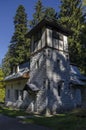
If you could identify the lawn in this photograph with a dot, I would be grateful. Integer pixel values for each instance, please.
(75, 120)
(2, 94)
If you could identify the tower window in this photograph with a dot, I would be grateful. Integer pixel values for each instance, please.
(58, 61)
(61, 37)
(49, 53)
(59, 90)
(44, 83)
(67, 57)
(37, 36)
(55, 35)
(44, 53)
(37, 64)
(48, 84)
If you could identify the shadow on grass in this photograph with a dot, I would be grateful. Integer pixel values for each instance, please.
(10, 112)
(67, 121)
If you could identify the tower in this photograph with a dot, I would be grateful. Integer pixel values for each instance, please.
(49, 66)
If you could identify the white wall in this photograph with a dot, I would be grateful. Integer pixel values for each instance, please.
(12, 86)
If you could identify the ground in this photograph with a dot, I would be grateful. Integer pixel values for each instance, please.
(75, 120)
(8, 123)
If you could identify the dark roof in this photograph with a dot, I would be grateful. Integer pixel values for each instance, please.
(48, 23)
(17, 75)
(31, 87)
(76, 77)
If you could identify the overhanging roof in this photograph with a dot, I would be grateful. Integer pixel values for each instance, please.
(19, 75)
(48, 23)
(76, 77)
(31, 87)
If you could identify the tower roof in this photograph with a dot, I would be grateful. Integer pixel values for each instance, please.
(52, 23)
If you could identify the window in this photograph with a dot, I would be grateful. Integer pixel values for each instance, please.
(49, 53)
(37, 36)
(44, 83)
(61, 37)
(44, 53)
(37, 64)
(67, 57)
(48, 84)
(21, 94)
(8, 93)
(16, 94)
(55, 35)
(60, 86)
(59, 89)
(58, 62)
(37, 41)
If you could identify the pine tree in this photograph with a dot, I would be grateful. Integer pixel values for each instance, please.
(50, 13)
(39, 13)
(1, 78)
(2, 89)
(42, 12)
(71, 17)
(6, 67)
(19, 47)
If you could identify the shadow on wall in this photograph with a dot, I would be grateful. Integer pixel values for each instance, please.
(48, 99)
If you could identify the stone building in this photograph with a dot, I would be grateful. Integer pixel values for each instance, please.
(51, 83)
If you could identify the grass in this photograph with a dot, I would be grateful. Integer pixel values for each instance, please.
(75, 120)
(2, 94)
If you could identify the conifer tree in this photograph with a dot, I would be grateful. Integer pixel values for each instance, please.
(19, 50)
(39, 13)
(42, 12)
(2, 89)
(19, 47)
(71, 17)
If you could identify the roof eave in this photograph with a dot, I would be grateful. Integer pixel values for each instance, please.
(51, 23)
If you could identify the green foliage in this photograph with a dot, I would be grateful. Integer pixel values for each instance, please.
(18, 50)
(84, 2)
(2, 94)
(42, 12)
(1, 78)
(6, 67)
(2, 90)
(39, 13)
(71, 16)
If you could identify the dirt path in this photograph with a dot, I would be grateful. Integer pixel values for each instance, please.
(8, 123)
